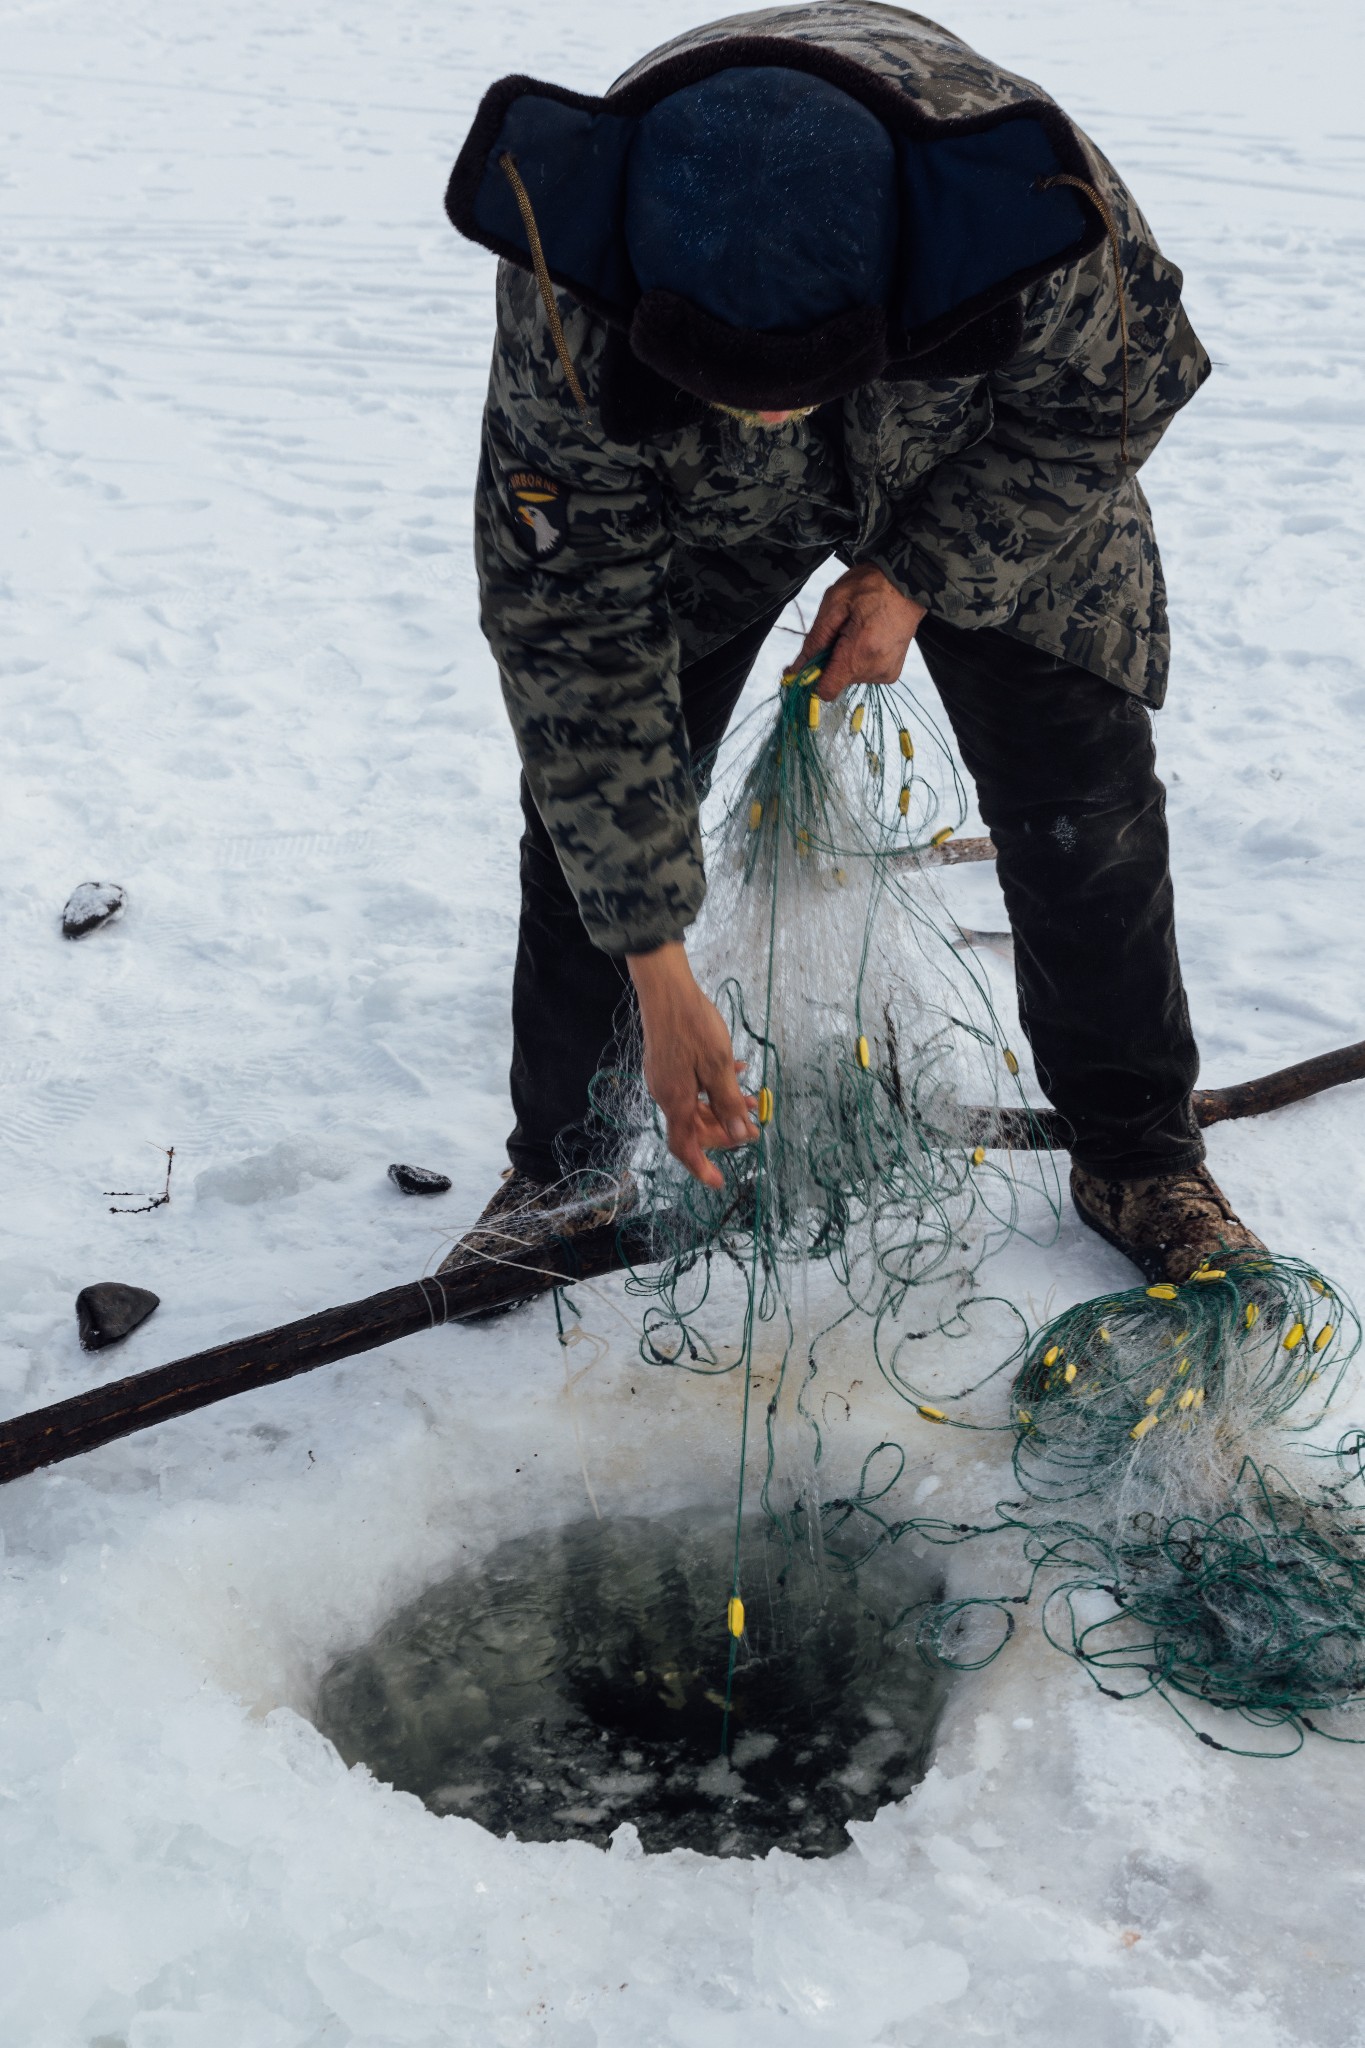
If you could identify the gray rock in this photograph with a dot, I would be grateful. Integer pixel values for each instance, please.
(91, 905)
(419, 1180)
(110, 1311)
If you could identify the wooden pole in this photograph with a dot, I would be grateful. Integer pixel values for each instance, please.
(100, 1415)
(950, 855)
(1285, 1085)
(1022, 1130)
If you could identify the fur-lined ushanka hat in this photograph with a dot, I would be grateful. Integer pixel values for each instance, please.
(770, 225)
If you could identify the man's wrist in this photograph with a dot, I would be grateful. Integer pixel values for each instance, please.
(897, 574)
(662, 967)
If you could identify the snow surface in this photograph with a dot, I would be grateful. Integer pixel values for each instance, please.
(242, 368)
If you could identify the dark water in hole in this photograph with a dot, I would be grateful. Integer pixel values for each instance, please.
(576, 1678)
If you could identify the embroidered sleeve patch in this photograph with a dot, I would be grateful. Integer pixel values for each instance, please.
(540, 510)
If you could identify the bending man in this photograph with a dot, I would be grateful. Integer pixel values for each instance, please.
(818, 281)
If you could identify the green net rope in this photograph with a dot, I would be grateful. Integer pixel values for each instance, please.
(1178, 1531)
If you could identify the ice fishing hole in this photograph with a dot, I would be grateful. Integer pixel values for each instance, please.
(576, 1678)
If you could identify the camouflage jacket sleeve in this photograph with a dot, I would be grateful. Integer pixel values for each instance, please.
(989, 522)
(572, 544)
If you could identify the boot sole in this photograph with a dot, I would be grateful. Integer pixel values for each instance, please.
(1151, 1272)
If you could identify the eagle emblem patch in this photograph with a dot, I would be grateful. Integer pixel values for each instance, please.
(540, 510)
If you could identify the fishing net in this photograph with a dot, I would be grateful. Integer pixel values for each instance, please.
(867, 1033)
(1194, 1541)
(1175, 1538)
(878, 1064)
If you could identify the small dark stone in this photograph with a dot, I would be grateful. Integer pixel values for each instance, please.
(90, 906)
(110, 1311)
(419, 1180)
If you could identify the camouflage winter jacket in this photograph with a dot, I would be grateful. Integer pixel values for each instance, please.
(616, 544)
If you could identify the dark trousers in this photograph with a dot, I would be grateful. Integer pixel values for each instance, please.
(1066, 779)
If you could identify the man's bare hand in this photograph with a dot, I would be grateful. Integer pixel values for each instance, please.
(690, 1064)
(870, 626)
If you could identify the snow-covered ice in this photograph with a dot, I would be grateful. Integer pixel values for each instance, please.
(242, 364)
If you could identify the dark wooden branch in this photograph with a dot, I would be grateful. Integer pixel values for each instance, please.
(1285, 1085)
(1021, 1130)
(102, 1414)
(1018, 1130)
(948, 855)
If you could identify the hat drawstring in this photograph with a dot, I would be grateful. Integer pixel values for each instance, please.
(1110, 228)
(507, 164)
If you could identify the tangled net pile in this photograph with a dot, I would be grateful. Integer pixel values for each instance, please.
(1169, 1526)
(1166, 1425)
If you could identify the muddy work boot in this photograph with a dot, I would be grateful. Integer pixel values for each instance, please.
(1168, 1226)
(523, 1213)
